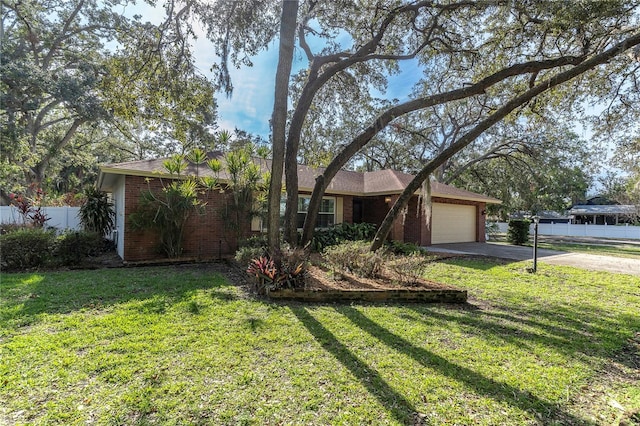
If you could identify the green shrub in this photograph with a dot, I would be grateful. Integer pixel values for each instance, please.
(398, 247)
(324, 238)
(518, 231)
(26, 248)
(255, 241)
(72, 248)
(251, 248)
(356, 258)
(6, 228)
(409, 268)
(96, 213)
(245, 254)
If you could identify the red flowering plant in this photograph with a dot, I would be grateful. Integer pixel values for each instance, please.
(289, 272)
(264, 269)
(29, 208)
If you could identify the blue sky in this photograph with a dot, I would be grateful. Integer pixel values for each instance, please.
(251, 104)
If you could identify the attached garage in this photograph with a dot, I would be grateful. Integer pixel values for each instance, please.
(453, 223)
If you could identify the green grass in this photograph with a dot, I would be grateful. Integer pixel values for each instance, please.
(617, 250)
(181, 346)
(603, 248)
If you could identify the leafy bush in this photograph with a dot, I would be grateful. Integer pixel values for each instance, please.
(355, 257)
(409, 269)
(245, 254)
(167, 211)
(96, 213)
(324, 238)
(26, 248)
(398, 247)
(6, 228)
(518, 231)
(72, 248)
(251, 248)
(255, 241)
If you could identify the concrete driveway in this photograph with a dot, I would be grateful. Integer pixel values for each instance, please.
(590, 262)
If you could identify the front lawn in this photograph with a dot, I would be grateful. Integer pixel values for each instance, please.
(631, 251)
(180, 345)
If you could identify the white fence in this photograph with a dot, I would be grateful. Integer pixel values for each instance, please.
(60, 218)
(573, 230)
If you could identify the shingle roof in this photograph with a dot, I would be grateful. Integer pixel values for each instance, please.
(381, 182)
(603, 209)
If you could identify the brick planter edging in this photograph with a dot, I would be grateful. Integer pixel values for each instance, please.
(400, 295)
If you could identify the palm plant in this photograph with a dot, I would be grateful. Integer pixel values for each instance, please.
(96, 213)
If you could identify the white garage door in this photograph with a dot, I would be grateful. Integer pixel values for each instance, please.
(453, 223)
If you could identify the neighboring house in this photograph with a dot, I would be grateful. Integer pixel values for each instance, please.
(604, 214)
(353, 197)
(544, 216)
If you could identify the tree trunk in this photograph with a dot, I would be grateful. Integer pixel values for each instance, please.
(279, 118)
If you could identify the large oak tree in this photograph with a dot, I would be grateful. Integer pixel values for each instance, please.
(68, 67)
(503, 59)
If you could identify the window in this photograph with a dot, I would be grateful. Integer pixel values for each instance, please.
(326, 216)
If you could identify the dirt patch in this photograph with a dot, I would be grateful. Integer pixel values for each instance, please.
(319, 278)
(325, 285)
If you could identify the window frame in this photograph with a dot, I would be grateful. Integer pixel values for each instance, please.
(333, 215)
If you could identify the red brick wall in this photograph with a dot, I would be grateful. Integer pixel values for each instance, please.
(205, 235)
(414, 229)
(481, 215)
(414, 223)
(374, 209)
(347, 208)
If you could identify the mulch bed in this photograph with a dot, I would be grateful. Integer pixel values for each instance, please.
(324, 286)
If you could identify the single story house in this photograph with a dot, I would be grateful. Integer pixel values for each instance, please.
(596, 214)
(544, 216)
(354, 197)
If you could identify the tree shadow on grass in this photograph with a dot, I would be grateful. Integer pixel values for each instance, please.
(569, 330)
(25, 296)
(395, 403)
(482, 385)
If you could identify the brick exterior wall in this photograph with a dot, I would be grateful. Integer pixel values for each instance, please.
(205, 236)
(347, 206)
(414, 229)
(374, 209)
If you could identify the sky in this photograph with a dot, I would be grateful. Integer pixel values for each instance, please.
(251, 104)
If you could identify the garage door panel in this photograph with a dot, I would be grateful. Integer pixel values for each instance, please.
(453, 223)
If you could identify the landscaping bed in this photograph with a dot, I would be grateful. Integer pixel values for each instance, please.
(324, 286)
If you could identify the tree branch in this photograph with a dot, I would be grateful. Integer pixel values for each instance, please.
(502, 112)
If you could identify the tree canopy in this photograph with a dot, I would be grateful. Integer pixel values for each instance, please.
(72, 66)
(487, 67)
